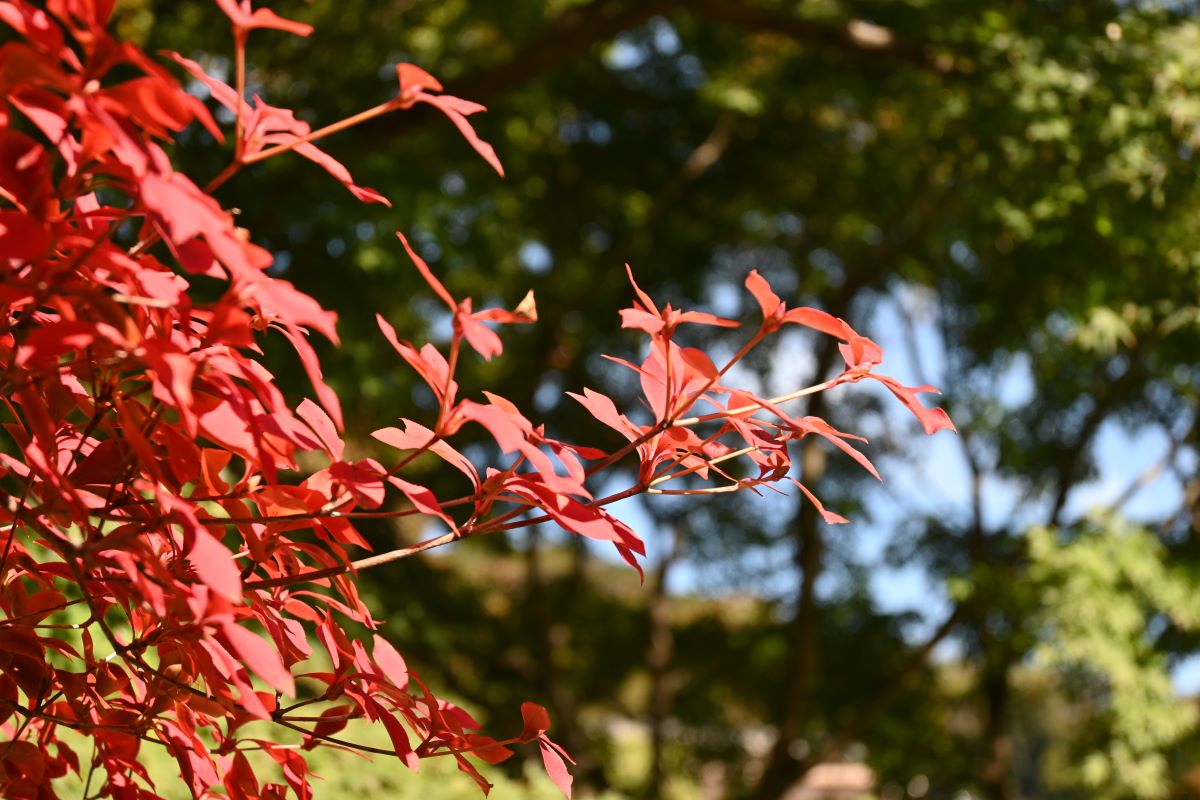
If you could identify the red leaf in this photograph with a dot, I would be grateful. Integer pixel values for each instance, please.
(390, 661)
(586, 520)
(49, 342)
(829, 517)
(537, 721)
(413, 79)
(46, 111)
(488, 749)
(223, 93)
(646, 301)
(172, 371)
(240, 780)
(104, 465)
(422, 499)
(838, 439)
(427, 274)
(418, 437)
(259, 656)
(395, 730)
(524, 313)
(507, 426)
(215, 566)
(333, 720)
(362, 479)
(295, 770)
(244, 19)
(931, 419)
(161, 106)
(429, 363)
(339, 171)
(308, 358)
(768, 301)
(482, 339)
(605, 410)
(25, 766)
(860, 353)
(456, 109)
(641, 320)
(37, 27)
(22, 238)
(819, 320)
(469, 768)
(556, 768)
(323, 426)
(701, 318)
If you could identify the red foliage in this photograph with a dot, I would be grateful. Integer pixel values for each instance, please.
(149, 476)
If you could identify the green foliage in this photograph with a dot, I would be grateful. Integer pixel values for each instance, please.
(1106, 596)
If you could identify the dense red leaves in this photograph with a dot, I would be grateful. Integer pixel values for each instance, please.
(153, 512)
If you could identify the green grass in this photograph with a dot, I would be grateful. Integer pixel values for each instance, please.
(346, 774)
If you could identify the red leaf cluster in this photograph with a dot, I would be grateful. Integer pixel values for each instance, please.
(166, 576)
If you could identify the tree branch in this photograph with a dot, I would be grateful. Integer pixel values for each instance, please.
(1108, 397)
(906, 234)
(856, 36)
(574, 32)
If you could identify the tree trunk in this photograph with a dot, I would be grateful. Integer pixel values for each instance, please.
(996, 774)
(803, 650)
(658, 659)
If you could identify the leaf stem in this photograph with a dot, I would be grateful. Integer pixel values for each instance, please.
(239, 45)
(321, 133)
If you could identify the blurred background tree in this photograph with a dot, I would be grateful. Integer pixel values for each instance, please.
(1004, 194)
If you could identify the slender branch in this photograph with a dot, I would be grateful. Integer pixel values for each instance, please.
(1153, 472)
(22, 507)
(741, 411)
(239, 126)
(722, 489)
(1107, 398)
(321, 133)
(322, 514)
(500, 523)
(73, 724)
(451, 368)
(697, 467)
(361, 564)
(219, 180)
(365, 748)
(40, 613)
